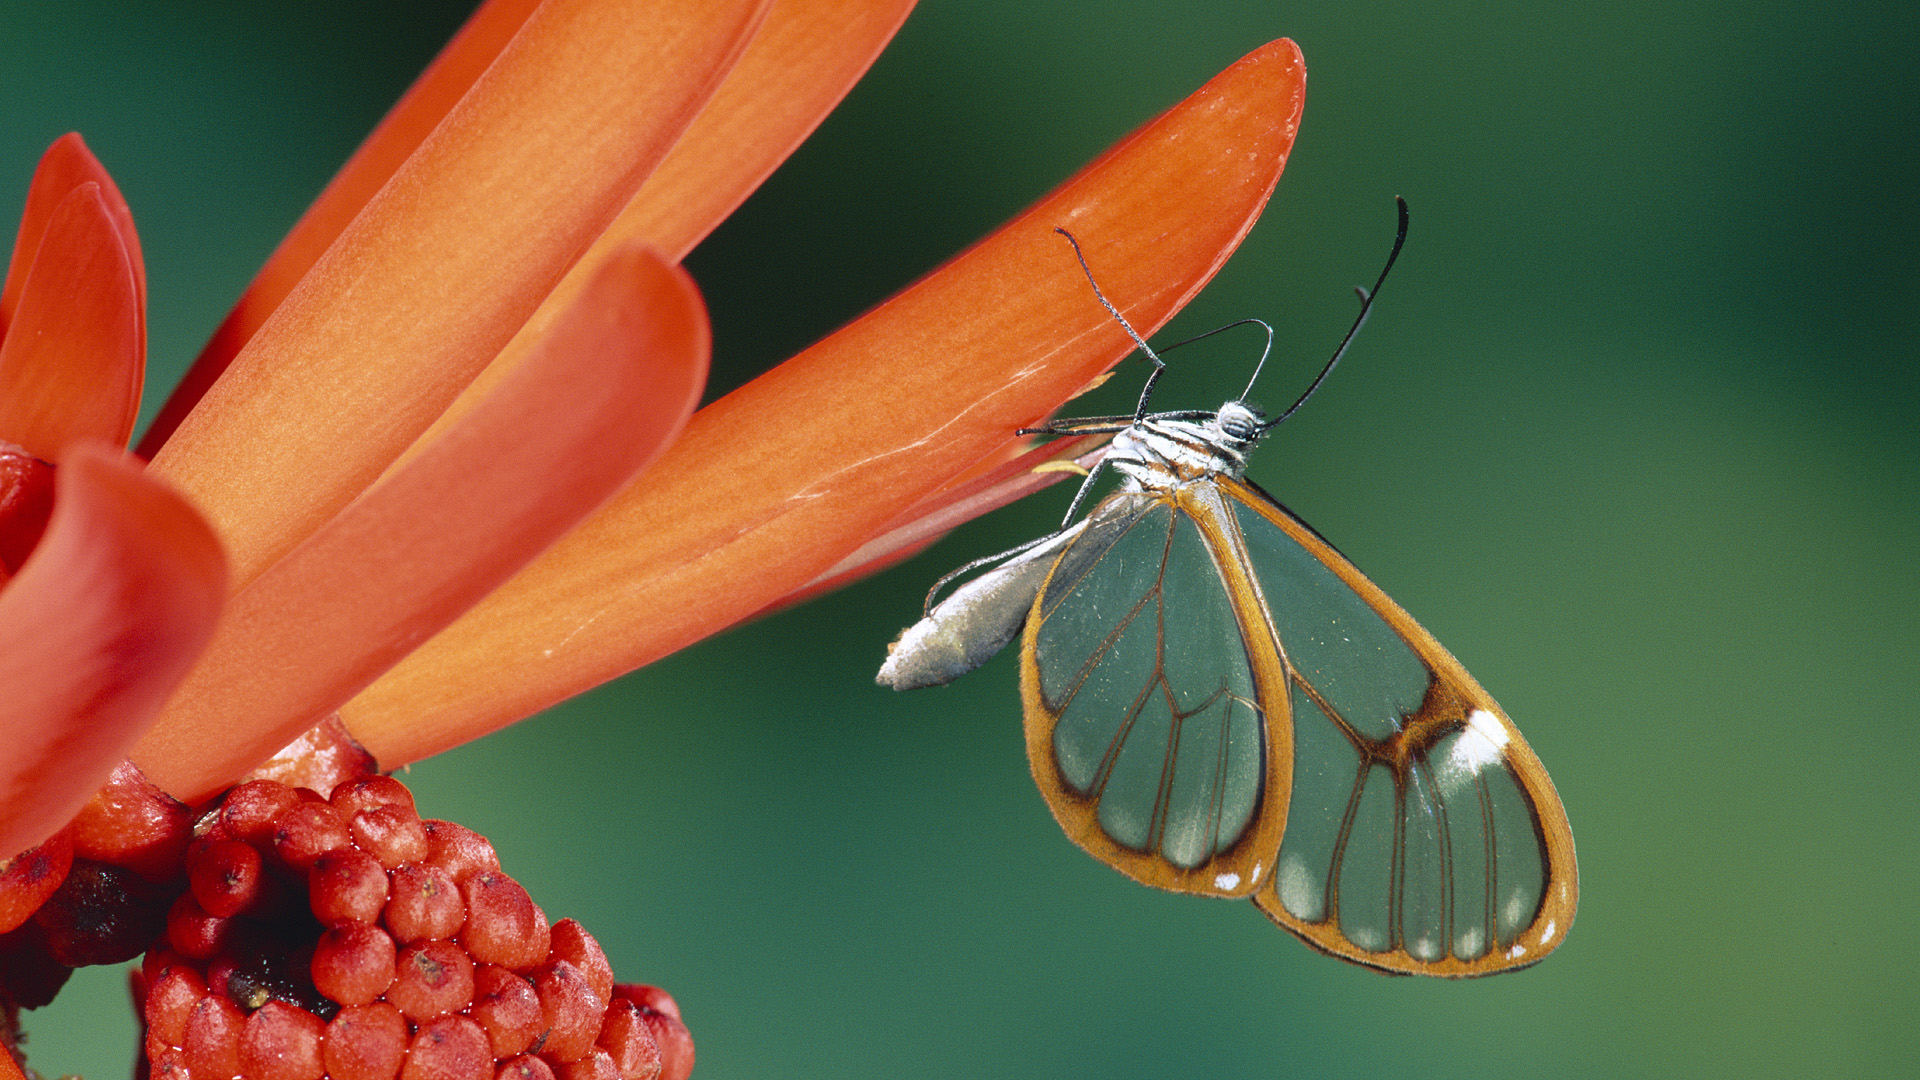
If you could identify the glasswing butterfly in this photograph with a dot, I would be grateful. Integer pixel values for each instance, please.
(1218, 702)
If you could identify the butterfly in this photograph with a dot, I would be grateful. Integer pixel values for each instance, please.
(1217, 702)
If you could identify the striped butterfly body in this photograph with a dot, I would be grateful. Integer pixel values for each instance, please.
(1217, 702)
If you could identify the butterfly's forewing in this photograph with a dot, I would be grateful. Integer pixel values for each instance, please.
(1158, 735)
(1423, 834)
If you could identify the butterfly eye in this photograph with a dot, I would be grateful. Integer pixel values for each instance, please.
(1239, 423)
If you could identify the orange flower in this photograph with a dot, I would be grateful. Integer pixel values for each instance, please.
(121, 590)
(417, 435)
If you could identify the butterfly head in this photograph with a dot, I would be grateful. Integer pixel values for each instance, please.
(1240, 424)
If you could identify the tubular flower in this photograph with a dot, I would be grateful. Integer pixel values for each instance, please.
(436, 472)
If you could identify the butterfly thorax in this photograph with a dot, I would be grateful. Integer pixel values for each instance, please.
(1165, 449)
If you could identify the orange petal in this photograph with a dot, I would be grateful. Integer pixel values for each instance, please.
(803, 60)
(73, 359)
(95, 631)
(410, 120)
(931, 518)
(65, 166)
(602, 395)
(775, 483)
(801, 63)
(442, 267)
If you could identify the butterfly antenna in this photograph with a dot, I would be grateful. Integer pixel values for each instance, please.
(1159, 365)
(1366, 305)
(1268, 348)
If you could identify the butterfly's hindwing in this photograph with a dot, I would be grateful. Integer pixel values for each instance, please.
(1424, 835)
(1149, 722)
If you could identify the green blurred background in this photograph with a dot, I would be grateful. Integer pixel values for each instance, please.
(1632, 432)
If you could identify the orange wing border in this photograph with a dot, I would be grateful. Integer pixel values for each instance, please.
(1245, 865)
(1451, 697)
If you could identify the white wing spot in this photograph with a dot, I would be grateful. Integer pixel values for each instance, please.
(1226, 882)
(1299, 888)
(1479, 746)
(1488, 726)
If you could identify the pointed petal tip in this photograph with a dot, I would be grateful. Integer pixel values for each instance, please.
(65, 165)
(74, 357)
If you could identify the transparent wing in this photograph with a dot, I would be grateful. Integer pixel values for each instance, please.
(1423, 836)
(1150, 722)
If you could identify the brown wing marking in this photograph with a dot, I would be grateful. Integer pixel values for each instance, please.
(1239, 867)
(1453, 704)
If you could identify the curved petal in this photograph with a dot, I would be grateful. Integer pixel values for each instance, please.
(775, 483)
(604, 393)
(411, 119)
(65, 166)
(442, 267)
(95, 631)
(802, 61)
(73, 358)
(799, 66)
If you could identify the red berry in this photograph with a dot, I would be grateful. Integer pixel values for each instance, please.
(392, 834)
(572, 943)
(425, 903)
(595, 1064)
(282, 1042)
(423, 961)
(662, 1014)
(503, 925)
(366, 1042)
(435, 978)
(676, 1044)
(307, 831)
(367, 792)
(213, 1037)
(524, 1067)
(628, 1040)
(224, 876)
(506, 1007)
(170, 1000)
(249, 812)
(450, 1048)
(159, 960)
(167, 1063)
(648, 998)
(353, 963)
(572, 1009)
(192, 932)
(346, 886)
(458, 850)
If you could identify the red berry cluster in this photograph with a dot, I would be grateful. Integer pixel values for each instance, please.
(346, 937)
